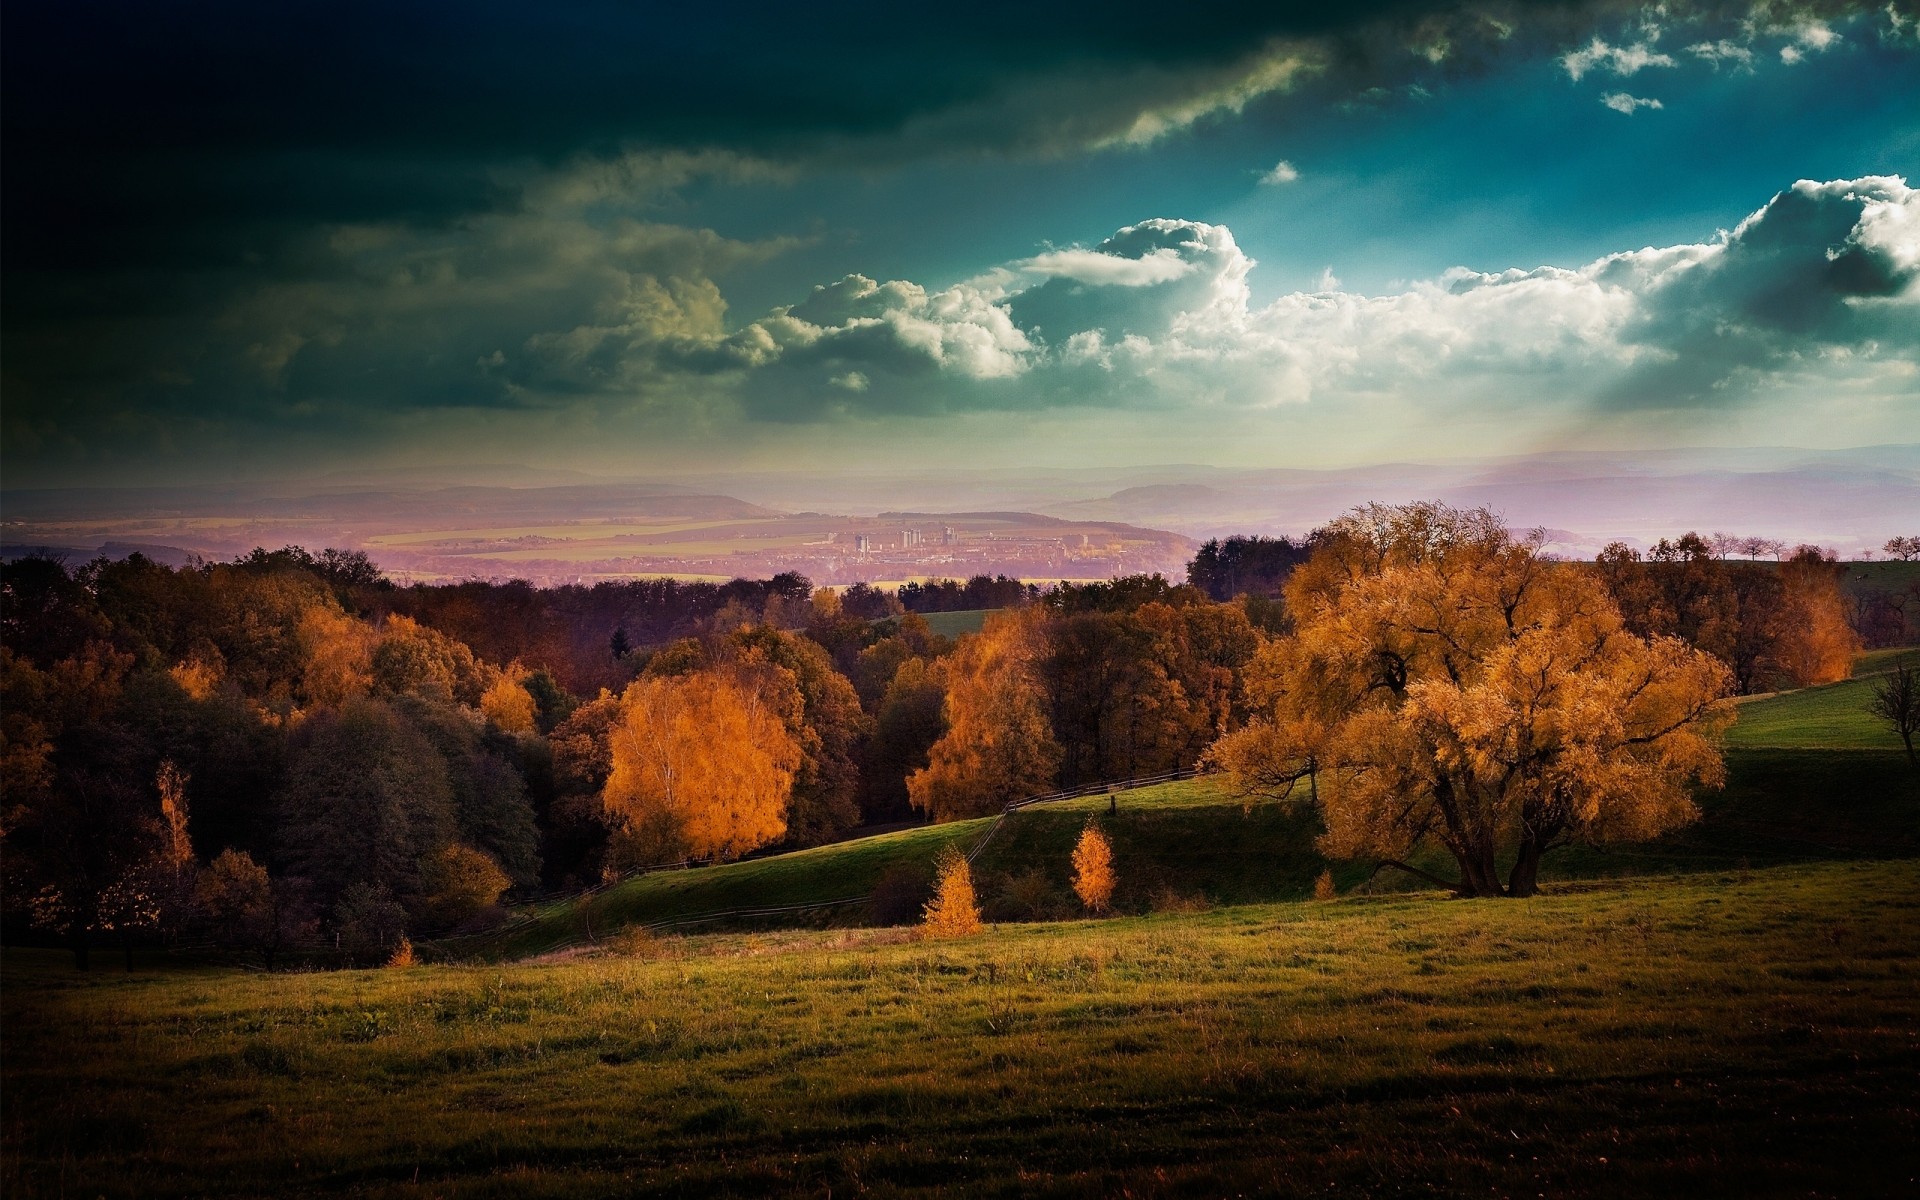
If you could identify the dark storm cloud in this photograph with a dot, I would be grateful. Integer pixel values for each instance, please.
(172, 131)
(225, 215)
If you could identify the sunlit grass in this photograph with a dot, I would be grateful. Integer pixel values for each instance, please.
(1738, 1032)
(1832, 717)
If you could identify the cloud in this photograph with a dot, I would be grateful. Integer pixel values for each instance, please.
(1725, 50)
(1282, 172)
(1621, 102)
(1620, 60)
(1824, 274)
(1160, 265)
(1820, 279)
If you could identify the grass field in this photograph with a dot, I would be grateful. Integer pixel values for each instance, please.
(953, 624)
(1193, 842)
(1753, 1033)
(1733, 1009)
(1833, 717)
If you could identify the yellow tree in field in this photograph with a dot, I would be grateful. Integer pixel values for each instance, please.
(1447, 686)
(700, 763)
(1093, 877)
(999, 742)
(953, 911)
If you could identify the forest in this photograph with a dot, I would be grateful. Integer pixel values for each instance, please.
(289, 755)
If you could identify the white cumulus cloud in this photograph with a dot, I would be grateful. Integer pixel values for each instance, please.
(1621, 102)
(1282, 172)
(1620, 60)
(1824, 277)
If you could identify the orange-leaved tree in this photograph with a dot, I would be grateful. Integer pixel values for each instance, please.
(1817, 643)
(999, 743)
(1093, 877)
(507, 703)
(701, 763)
(953, 911)
(1448, 686)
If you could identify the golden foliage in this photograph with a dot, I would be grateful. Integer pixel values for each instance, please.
(508, 704)
(403, 955)
(999, 743)
(1817, 643)
(1323, 886)
(1446, 684)
(700, 761)
(953, 911)
(197, 676)
(1093, 877)
(337, 652)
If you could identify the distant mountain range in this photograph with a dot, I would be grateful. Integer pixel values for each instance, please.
(494, 520)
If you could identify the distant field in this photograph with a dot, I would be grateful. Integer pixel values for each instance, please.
(1728, 1034)
(570, 530)
(953, 624)
(599, 550)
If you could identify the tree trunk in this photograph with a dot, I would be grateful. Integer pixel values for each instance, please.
(1524, 880)
(1479, 875)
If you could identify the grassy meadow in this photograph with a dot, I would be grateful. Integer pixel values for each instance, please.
(1750, 1033)
(1732, 1009)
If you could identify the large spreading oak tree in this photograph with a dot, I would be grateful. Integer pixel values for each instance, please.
(1446, 685)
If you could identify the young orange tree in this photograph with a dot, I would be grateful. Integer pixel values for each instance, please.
(1446, 685)
(953, 911)
(1093, 877)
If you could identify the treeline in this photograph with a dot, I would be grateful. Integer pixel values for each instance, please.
(288, 750)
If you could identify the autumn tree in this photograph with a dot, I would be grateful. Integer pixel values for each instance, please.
(338, 656)
(1145, 690)
(1447, 686)
(1093, 877)
(700, 764)
(999, 743)
(507, 702)
(417, 660)
(953, 911)
(1817, 642)
(830, 728)
(458, 882)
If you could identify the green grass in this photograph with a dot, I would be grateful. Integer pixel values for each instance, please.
(1194, 842)
(826, 873)
(1739, 1033)
(953, 624)
(1832, 717)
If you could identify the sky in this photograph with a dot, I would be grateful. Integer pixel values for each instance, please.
(244, 240)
